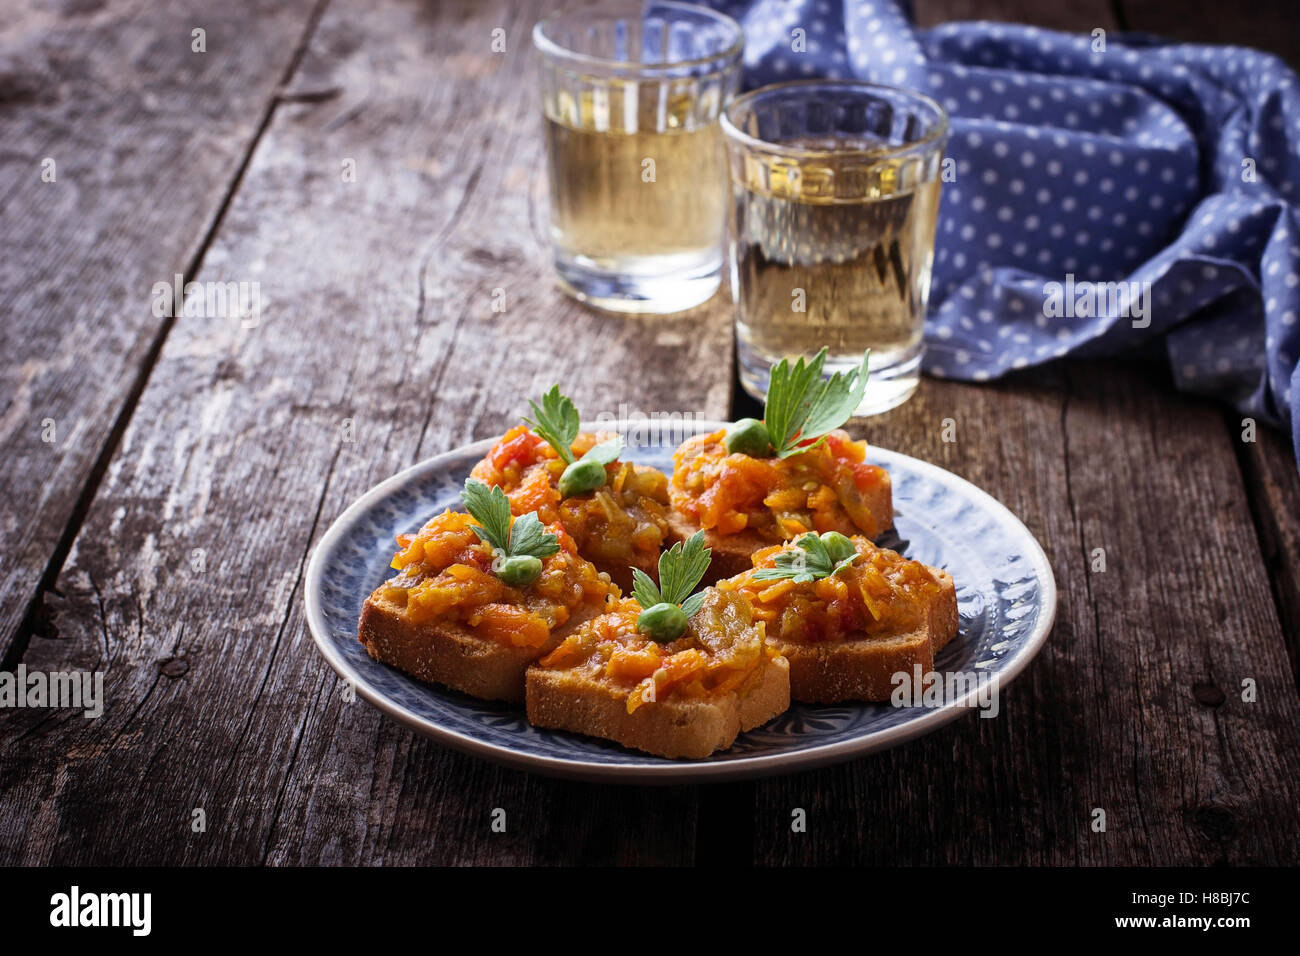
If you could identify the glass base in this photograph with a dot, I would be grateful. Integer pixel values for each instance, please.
(888, 385)
(652, 294)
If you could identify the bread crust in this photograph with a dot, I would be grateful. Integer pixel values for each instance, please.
(448, 653)
(566, 699)
(863, 669)
(731, 552)
(621, 574)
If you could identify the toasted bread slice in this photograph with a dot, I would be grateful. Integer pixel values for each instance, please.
(608, 680)
(447, 616)
(863, 669)
(448, 653)
(567, 700)
(847, 636)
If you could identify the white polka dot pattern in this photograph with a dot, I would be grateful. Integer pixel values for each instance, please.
(1115, 159)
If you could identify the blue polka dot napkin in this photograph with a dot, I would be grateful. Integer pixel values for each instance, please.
(1107, 191)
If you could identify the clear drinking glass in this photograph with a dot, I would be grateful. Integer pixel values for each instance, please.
(835, 192)
(632, 92)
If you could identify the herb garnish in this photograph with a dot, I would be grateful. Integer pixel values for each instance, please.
(669, 605)
(519, 549)
(556, 421)
(814, 557)
(801, 408)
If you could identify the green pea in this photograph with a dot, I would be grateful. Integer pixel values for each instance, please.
(581, 477)
(663, 622)
(521, 570)
(749, 437)
(838, 546)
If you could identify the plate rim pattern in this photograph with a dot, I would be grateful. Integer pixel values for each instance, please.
(926, 720)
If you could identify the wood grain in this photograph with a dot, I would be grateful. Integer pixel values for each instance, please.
(1266, 25)
(1134, 704)
(1269, 466)
(377, 317)
(209, 457)
(147, 138)
(1082, 16)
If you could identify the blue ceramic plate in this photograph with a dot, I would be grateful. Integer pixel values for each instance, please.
(1005, 590)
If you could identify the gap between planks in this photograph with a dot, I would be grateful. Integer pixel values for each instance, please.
(34, 618)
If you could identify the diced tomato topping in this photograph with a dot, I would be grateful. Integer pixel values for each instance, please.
(778, 498)
(455, 580)
(682, 665)
(867, 476)
(844, 447)
(535, 493)
(632, 664)
(566, 540)
(510, 625)
(517, 445)
(880, 590)
(475, 557)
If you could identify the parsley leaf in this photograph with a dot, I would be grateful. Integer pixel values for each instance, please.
(803, 408)
(556, 421)
(693, 604)
(645, 590)
(491, 509)
(813, 557)
(681, 567)
(680, 570)
(605, 452)
(529, 536)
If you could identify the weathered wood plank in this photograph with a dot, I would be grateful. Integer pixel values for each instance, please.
(377, 309)
(1052, 16)
(146, 138)
(1264, 26)
(1134, 705)
(1020, 791)
(1269, 467)
(217, 700)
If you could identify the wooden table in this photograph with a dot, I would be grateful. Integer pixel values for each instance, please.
(162, 535)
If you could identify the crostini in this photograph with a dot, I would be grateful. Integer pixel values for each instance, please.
(617, 512)
(480, 596)
(847, 615)
(761, 483)
(662, 672)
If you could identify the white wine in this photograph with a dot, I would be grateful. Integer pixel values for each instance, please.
(817, 263)
(644, 202)
(632, 91)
